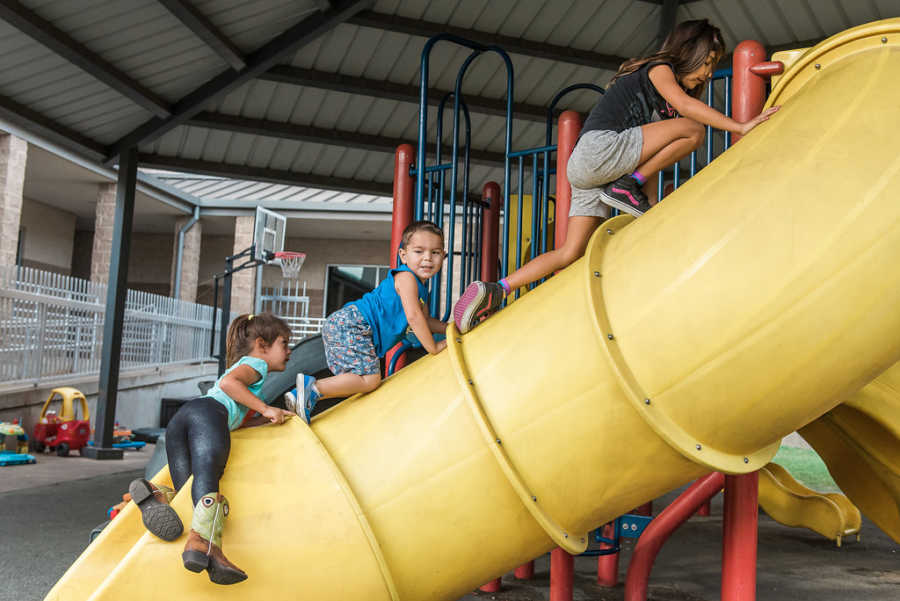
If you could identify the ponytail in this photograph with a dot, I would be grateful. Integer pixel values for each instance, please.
(246, 328)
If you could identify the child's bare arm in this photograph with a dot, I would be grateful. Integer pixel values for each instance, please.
(663, 79)
(436, 325)
(236, 385)
(406, 287)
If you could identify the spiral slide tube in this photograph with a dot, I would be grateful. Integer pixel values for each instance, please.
(749, 303)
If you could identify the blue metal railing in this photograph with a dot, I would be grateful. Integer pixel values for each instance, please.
(724, 76)
(431, 202)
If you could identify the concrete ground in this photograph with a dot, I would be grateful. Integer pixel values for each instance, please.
(47, 511)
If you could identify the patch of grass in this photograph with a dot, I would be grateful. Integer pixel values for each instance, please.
(807, 467)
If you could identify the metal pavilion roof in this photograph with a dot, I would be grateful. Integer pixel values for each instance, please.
(318, 93)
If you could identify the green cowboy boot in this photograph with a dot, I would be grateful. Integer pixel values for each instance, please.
(158, 516)
(203, 549)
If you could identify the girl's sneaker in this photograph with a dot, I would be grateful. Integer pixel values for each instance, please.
(478, 300)
(302, 399)
(626, 195)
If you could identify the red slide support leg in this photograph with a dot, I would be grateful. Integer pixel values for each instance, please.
(608, 565)
(740, 537)
(491, 587)
(562, 567)
(659, 530)
(525, 571)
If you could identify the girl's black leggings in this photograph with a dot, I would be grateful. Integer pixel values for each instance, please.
(198, 443)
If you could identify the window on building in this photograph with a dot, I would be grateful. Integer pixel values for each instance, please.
(345, 283)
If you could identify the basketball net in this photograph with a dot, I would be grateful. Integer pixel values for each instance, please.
(290, 263)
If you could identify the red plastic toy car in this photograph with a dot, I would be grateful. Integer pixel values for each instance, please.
(63, 431)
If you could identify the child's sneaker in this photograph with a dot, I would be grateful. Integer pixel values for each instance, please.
(626, 195)
(478, 300)
(303, 398)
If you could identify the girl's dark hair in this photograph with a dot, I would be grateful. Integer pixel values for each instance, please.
(686, 48)
(420, 226)
(246, 328)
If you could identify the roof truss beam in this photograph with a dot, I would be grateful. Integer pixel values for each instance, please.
(427, 29)
(262, 174)
(318, 135)
(206, 31)
(387, 90)
(259, 62)
(65, 46)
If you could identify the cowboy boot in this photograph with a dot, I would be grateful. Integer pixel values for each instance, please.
(203, 549)
(158, 516)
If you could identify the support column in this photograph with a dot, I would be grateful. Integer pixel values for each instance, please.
(243, 283)
(186, 288)
(13, 158)
(104, 218)
(108, 389)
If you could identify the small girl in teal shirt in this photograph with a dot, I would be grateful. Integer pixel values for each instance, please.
(198, 442)
(356, 335)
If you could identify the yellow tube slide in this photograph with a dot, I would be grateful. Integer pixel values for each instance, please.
(790, 503)
(745, 306)
(860, 442)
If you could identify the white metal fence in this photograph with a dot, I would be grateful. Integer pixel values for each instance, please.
(290, 302)
(51, 325)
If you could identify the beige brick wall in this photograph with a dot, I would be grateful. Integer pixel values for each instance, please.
(243, 282)
(190, 259)
(49, 236)
(104, 219)
(13, 158)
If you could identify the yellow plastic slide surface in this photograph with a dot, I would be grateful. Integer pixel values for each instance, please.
(860, 443)
(752, 301)
(787, 501)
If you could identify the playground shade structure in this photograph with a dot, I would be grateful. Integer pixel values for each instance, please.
(755, 299)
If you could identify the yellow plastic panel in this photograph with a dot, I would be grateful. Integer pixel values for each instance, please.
(787, 501)
(860, 443)
(105, 552)
(291, 517)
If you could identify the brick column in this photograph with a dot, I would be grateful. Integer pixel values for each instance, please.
(104, 216)
(243, 283)
(13, 157)
(190, 260)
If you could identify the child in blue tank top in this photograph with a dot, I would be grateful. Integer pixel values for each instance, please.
(361, 331)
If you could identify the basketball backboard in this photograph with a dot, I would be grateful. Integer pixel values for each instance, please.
(268, 234)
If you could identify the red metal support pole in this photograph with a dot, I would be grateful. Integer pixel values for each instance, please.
(562, 571)
(491, 587)
(740, 537)
(659, 530)
(525, 571)
(645, 509)
(402, 216)
(490, 231)
(704, 510)
(748, 89)
(567, 135)
(608, 565)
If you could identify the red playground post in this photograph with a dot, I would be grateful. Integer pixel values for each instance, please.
(490, 231)
(561, 563)
(562, 567)
(608, 565)
(739, 537)
(525, 571)
(402, 216)
(567, 135)
(491, 587)
(661, 528)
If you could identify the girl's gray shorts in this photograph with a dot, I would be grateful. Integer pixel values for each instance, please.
(600, 157)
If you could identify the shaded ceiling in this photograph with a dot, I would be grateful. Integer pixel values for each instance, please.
(318, 93)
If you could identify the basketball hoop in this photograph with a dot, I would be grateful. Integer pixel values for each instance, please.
(290, 263)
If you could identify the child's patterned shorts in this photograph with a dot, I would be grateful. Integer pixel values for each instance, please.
(348, 343)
